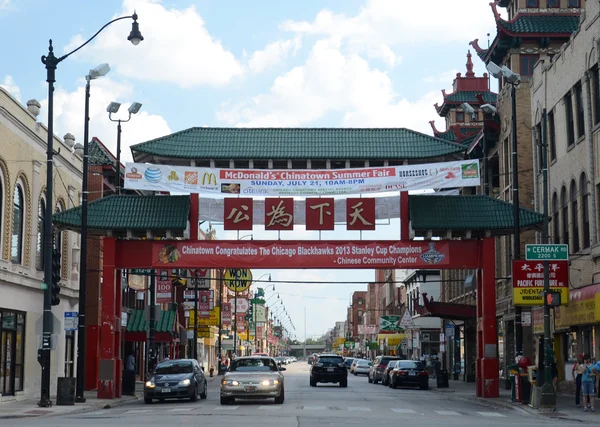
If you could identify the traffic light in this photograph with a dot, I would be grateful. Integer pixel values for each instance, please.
(553, 299)
(55, 286)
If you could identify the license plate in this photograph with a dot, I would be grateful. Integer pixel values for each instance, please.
(166, 390)
(412, 374)
(330, 369)
(249, 389)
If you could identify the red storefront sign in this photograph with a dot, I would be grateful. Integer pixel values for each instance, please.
(360, 214)
(164, 287)
(204, 301)
(320, 213)
(226, 313)
(316, 254)
(259, 332)
(238, 214)
(279, 213)
(530, 274)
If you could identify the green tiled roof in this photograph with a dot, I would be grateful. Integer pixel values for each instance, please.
(456, 98)
(164, 323)
(295, 143)
(477, 213)
(550, 23)
(448, 136)
(98, 154)
(125, 212)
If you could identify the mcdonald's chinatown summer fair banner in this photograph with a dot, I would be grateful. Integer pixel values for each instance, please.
(291, 182)
(313, 254)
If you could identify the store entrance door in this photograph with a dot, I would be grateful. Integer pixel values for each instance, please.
(7, 357)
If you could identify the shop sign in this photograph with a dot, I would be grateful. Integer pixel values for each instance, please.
(528, 281)
(537, 317)
(391, 340)
(214, 318)
(389, 324)
(236, 279)
(583, 309)
(164, 287)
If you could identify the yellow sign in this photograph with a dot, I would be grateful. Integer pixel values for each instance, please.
(209, 178)
(578, 313)
(393, 340)
(535, 296)
(237, 280)
(339, 341)
(213, 320)
(205, 332)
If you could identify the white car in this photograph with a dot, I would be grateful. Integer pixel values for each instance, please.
(362, 367)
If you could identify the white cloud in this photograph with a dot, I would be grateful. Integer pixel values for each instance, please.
(68, 116)
(177, 47)
(273, 54)
(9, 84)
(4, 4)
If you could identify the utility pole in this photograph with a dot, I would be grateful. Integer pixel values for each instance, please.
(151, 318)
(195, 347)
(235, 333)
(304, 349)
(219, 348)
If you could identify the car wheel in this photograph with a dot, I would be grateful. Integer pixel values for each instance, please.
(390, 383)
(194, 397)
(344, 383)
(313, 383)
(424, 387)
(394, 385)
(148, 400)
(375, 381)
(279, 400)
(369, 378)
(227, 400)
(204, 391)
(355, 374)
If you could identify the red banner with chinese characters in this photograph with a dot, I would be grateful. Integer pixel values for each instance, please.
(528, 281)
(226, 313)
(360, 214)
(316, 254)
(279, 213)
(164, 287)
(259, 332)
(238, 214)
(320, 213)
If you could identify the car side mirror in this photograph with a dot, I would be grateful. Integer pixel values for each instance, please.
(282, 368)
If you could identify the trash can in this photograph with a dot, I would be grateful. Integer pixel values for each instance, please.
(442, 379)
(525, 388)
(128, 383)
(513, 371)
(65, 391)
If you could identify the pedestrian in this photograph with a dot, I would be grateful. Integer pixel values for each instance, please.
(577, 373)
(554, 370)
(587, 384)
(130, 364)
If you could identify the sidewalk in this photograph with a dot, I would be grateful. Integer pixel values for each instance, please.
(29, 408)
(565, 403)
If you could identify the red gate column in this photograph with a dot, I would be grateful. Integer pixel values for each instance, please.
(404, 216)
(107, 367)
(117, 320)
(194, 216)
(487, 372)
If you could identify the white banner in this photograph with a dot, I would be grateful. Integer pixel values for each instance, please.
(367, 329)
(292, 182)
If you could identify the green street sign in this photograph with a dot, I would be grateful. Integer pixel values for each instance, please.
(141, 271)
(553, 252)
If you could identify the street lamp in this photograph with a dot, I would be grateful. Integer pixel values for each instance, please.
(487, 109)
(51, 62)
(97, 72)
(513, 79)
(113, 107)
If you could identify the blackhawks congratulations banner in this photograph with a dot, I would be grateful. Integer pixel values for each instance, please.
(295, 182)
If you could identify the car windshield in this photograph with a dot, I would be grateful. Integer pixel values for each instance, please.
(330, 361)
(258, 364)
(409, 364)
(364, 363)
(174, 368)
(392, 364)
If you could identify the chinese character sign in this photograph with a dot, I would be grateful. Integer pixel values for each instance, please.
(279, 213)
(238, 214)
(360, 214)
(226, 313)
(528, 281)
(320, 214)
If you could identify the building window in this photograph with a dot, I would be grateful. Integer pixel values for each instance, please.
(570, 123)
(58, 236)
(527, 64)
(574, 3)
(551, 136)
(538, 139)
(533, 3)
(39, 259)
(12, 351)
(580, 113)
(17, 229)
(595, 94)
(360, 301)
(553, 3)
(564, 203)
(575, 216)
(460, 117)
(555, 219)
(585, 210)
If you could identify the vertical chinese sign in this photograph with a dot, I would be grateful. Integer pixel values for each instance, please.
(163, 287)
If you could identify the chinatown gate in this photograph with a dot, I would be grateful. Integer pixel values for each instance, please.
(161, 231)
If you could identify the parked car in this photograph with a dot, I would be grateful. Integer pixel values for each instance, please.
(410, 372)
(385, 377)
(362, 367)
(329, 368)
(253, 377)
(348, 361)
(354, 362)
(379, 365)
(176, 379)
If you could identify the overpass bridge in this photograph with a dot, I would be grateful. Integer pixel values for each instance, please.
(297, 350)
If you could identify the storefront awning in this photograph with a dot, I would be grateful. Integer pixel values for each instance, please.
(137, 327)
(445, 310)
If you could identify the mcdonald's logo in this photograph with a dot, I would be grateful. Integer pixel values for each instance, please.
(209, 178)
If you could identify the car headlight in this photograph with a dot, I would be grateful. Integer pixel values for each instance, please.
(185, 383)
(266, 382)
(150, 384)
(230, 382)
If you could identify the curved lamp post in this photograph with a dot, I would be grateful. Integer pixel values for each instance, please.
(112, 108)
(51, 62)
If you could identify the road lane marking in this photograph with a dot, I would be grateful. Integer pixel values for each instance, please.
(359, 408)
(447, 413)
(314, 408)
(227, 408)
(270, 408)
(138, 411)
(404, 411)
(180, 409)
(491, 414)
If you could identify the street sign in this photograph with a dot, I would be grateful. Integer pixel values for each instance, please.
(547, 252)
(141, 271)
(237, 280)
(389, 323)
(407, 320)
(70, 321)
(242, 305)
(528, 281)
(404, 344)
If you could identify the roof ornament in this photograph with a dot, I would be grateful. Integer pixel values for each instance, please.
(470, 72)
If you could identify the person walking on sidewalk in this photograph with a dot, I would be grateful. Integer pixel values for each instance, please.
(577, 373)
(587, 383)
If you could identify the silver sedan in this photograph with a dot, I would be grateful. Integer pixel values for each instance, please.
(253, 377)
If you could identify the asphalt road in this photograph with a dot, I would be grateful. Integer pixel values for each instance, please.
(361, 404)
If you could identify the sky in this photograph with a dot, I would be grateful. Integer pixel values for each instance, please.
(237, 63)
